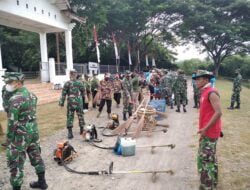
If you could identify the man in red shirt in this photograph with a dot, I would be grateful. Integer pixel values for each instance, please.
(209, 130)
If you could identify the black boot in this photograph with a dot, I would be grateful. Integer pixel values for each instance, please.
(231, 107)
(41, 183)
(238, 106)
(130, 114)
(124, 116)
(172, 107)
(81, 130)
(17, 188)
(184, 109)
(70, 134)
(178, 109)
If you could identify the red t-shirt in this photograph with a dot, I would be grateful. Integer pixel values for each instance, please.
(206, 113)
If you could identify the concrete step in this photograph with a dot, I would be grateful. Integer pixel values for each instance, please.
(44, 92)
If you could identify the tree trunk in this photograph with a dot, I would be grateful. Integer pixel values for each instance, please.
(216, 67)
(1, 130)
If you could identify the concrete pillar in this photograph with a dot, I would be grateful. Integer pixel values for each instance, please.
(44, 58)
(52, 70)
(69, 51)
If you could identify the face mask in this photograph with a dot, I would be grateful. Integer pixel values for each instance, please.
(10, 88)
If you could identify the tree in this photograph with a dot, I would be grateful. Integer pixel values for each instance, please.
(220, 27)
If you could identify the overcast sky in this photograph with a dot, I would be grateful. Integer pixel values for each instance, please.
(188, 52)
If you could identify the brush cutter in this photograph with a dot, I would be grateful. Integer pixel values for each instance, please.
(111, 171)
(153, 172)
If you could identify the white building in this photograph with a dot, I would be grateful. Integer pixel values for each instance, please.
(40, 16)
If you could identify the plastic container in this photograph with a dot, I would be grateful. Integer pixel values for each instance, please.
(159, 105)
(128, 146)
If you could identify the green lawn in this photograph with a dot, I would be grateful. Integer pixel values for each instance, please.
(233, 148)
(50, 118)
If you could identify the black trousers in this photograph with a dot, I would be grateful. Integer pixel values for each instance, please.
(94, 92)
(108, 103)
(117, 97)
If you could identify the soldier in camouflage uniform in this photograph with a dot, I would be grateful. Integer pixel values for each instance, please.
(74, 89)
(196, 92)
(117, 90)
(171, 78)
(236, 90)
(22, 133)
(127, 95)
(136, 89)
(180, 88)
(94, 83)
(87, 86)
(106, 87)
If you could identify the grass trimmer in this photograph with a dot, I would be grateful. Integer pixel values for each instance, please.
(153, 172)
(111, 171)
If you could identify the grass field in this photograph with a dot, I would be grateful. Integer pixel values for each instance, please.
(233, 148)
(50, 118)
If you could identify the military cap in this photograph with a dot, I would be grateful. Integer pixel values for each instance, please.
(13, 76)
(180, 71)
(127, 72)
(72, 71)
(203, 73)
(107, 75)
(237, 71)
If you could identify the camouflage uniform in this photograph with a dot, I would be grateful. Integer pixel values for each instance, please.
(87, 93)
(22, 136)
(207, 164)
(75, 91)
(180, 88)
(127, 97)
(136, 89)
(106, 87)
(196, 96)
(94, 83)
(166, 89)
(196, 93)
(236, 91)
(117, 90)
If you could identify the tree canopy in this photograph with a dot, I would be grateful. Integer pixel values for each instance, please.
(220, 28)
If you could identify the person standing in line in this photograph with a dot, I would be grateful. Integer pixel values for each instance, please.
(209, 130)
(94, 83)
(180, 88)
(236, 91)
(127, 96)
(136, 89)
(106, 87)
(117, 90)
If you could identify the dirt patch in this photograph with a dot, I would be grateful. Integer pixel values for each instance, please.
(181, 160)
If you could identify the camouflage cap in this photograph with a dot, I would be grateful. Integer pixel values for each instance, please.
(127, 72)
(203, 73)
(72, 71)
(13, 76)
(180, 71)
(237, 71)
